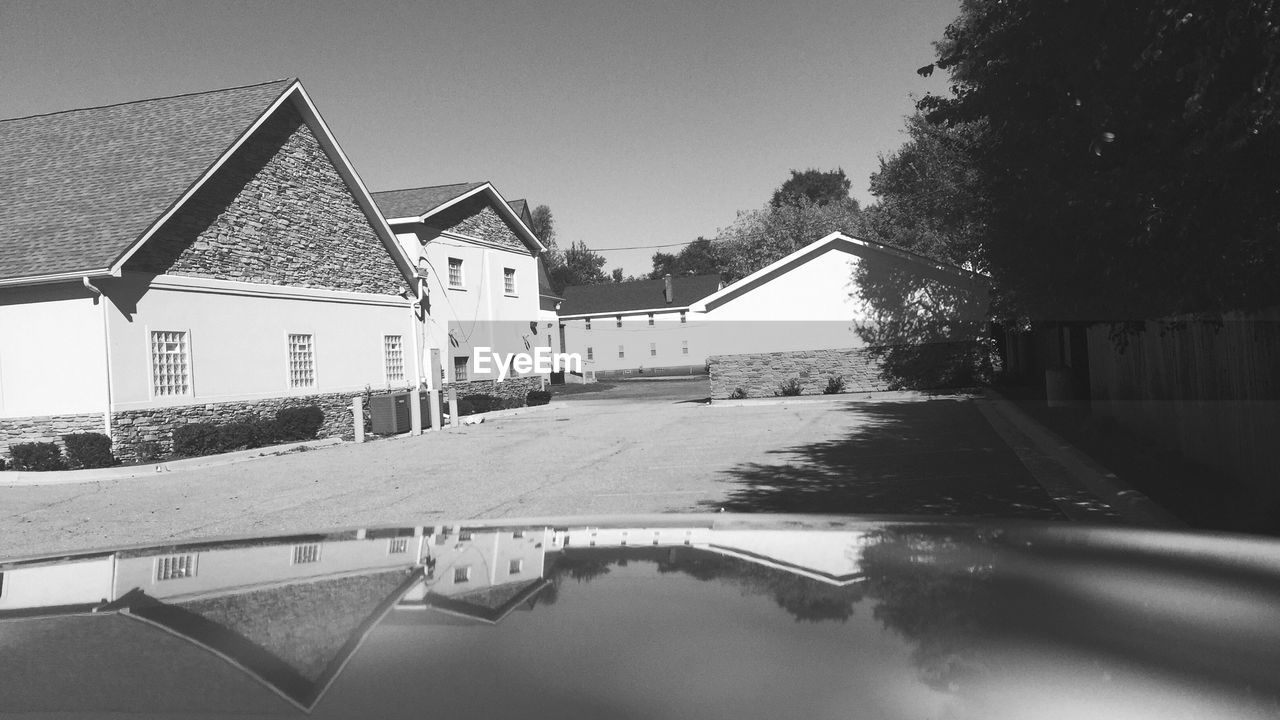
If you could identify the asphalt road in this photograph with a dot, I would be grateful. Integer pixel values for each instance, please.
(636, 448)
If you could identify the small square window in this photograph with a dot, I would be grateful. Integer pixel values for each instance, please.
(170, 370)
(619, 321)
(462, 574)
(393, 357)
(650, 319)
(308, 553)
(684, 347)
(509, 281)
(588, 324)
(591, 353)
(397, 545)
(460, 369)
(621, 352)
(682, 316)
(653, 349)
(515, 567)
(455, 272)
(302, 361)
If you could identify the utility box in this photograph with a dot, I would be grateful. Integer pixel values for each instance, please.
(390, 413)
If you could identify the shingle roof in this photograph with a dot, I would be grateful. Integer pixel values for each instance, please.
(419, 201)
(79, 187)
(606, 298)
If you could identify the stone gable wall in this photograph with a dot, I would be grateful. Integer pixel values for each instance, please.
(761, 374)
(276, 213)
(486, 224)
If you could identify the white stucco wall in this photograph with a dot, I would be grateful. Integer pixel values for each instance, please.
(52, 352)
(645, 346)
(238, 338)
(480, 313)
(72, 583)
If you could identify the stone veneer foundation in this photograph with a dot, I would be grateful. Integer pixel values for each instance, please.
(45, 428)
(509, 389)
(761, 374)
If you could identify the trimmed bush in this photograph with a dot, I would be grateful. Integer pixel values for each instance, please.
(239, 435)
(481, 403)
(835, 385)
(37, 456)
(790, 388)
(2, 465)
(148, 451)
(538, 397)
(465, 407)
(738, 394)
(88, 450)
(195, 439)
(300, 423)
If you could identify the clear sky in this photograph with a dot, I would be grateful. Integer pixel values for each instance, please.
(638, 123)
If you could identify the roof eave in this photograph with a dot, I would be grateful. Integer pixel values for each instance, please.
(58, 277)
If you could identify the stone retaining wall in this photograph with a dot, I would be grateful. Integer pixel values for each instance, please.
(512, 388)
(130, 428)
(761, 374)
(45, 428)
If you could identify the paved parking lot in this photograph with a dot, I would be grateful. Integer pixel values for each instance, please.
(637, 448)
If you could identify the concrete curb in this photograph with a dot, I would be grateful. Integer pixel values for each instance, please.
(16, 478)
(878, 396)
(509, 412)
(1075, 481)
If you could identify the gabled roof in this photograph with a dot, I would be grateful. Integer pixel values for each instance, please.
(610, 298)
(521, 207)
(419, 205)
(415, 202)
(846, 243)
(83, 189)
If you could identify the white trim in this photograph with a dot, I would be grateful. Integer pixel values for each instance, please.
(471, 240)
(58, 277)
(288, 363)
(288, 292)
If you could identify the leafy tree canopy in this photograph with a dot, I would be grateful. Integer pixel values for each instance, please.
(1129, 154)
(760, 237)
(700, 257)
(581, 266)
(817, 186)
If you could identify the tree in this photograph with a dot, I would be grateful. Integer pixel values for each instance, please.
(700, 257)
(1130, 155)
(820, 188)
(581, 266)
(760, 237)
(616, 275)
(543, 226)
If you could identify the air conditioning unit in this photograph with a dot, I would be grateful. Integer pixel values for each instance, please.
(390, 413)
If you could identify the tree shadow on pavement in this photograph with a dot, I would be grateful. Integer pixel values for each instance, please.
(934, 457)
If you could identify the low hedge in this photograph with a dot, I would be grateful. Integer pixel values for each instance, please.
(37, 456)
(88, 450)
(289, 424)
(538, 397)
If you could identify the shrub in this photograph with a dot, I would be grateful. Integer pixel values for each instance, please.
(512, 403)
(481, 403)
(835, 385)
(2, 465)
(300, 423)
(790, 388)
(37, 456)
(538, 397)
(738, 394)
(239, 435)
(465, 407)
(148, 451)
(194, 439)
(88, 450)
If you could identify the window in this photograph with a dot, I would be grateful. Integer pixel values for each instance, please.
(302, 361)
(591, 353)
(682, 317)
(176, 566)
(397, 545)
(393, 354)
(455, 272)
(303, 554)
(621, 353)
(588, 324)
(509, 281)
(517, 534)
(460, 369)
(170, 371)
(619, 321)
(653, 349)
(464, 535)
(515, 567)
(462, 574)
(684, 347)
(650, 319)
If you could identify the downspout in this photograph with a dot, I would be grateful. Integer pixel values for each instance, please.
(101, 300)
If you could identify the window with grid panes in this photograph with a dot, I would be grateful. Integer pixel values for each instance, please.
(460, 369)
(170, 370)
(302, 361)
(175, 566)
(393, 352)
(653, 349)
(591, 355)
(621, 352)
(684, 347)
(455, 272)
(509, 281)
(303, 554)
